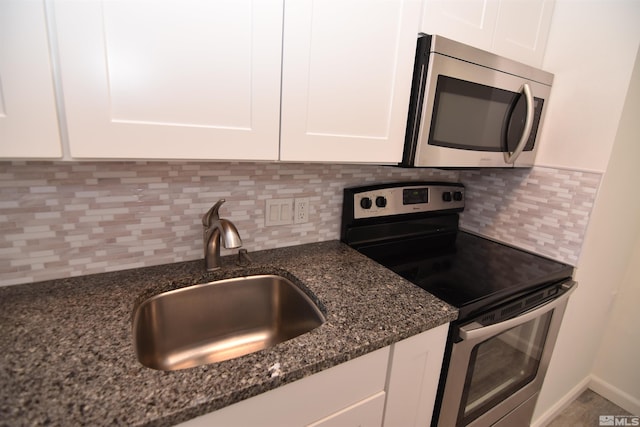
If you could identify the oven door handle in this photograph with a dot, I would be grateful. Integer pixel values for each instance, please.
(528, 126)
(474, 331)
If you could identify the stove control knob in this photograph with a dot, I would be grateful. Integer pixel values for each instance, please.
(381, 201)
(365, 203)
(446, 196)
(457, 196)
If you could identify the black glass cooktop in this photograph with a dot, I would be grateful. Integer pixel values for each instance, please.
(470, 273)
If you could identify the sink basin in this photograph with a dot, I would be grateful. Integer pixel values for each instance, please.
(220, 320)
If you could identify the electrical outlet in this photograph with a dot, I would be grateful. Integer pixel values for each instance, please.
(278, 212)
(301, 210)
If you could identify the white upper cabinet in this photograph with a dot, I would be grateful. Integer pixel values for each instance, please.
(515, 29)
(211, 79)
(466, 21)
(188, 79)
(28, 119)
(346, 79)
(522, 29)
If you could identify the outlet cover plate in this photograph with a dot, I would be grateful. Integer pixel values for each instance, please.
(301, 210)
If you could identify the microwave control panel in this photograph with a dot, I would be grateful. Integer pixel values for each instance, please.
(403, 198)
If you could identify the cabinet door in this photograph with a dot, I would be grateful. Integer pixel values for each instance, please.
(28, 119)
(413, 380)
(172, 79)
(515, 29)
(347, 67)
(466, 21)
(522, 29)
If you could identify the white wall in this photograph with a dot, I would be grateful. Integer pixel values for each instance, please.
(605, 264)
(591, 49)
(617, 368)
(616, 373)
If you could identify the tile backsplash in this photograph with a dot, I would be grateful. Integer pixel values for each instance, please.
(62, 219)
(542, 210)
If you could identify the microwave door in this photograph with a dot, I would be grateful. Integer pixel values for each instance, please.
(466, 125)
(464, 115)
(467, 110)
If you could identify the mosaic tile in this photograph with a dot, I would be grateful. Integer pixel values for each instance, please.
(542, 210)
(60, 219)
(69, 219)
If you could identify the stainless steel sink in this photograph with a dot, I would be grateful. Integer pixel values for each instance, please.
(220, 320)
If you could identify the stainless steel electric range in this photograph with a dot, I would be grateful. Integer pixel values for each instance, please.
(510, 301)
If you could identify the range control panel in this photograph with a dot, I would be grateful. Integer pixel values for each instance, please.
(403, 198)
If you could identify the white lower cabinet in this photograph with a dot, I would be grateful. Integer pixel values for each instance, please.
(413, 378)
(393, 386)
(308, 400)
(367, 413)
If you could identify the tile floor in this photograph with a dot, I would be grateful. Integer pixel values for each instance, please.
(586, 410)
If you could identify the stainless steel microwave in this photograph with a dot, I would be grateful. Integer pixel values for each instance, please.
(471, 108)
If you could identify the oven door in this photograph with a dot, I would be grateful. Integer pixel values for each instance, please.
(496, 371)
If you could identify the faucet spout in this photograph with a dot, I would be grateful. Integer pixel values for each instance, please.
(229, 234)
(216, 229)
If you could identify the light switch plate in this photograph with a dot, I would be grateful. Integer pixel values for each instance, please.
(278, 212)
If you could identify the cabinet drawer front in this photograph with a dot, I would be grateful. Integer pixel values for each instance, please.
(367, 413)
(307, 400)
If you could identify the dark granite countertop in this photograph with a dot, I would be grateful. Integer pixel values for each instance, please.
(68, 357)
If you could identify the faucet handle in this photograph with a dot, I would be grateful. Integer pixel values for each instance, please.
(243, 258)
(212, 214)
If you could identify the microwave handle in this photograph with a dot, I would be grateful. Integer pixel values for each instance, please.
(474, 331)
(510, 157)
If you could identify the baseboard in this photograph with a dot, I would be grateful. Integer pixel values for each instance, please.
(561, 404)
(615, 395)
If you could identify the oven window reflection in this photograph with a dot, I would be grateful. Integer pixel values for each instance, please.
(503, 364)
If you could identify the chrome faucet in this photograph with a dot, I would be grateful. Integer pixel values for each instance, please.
(214, 228)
